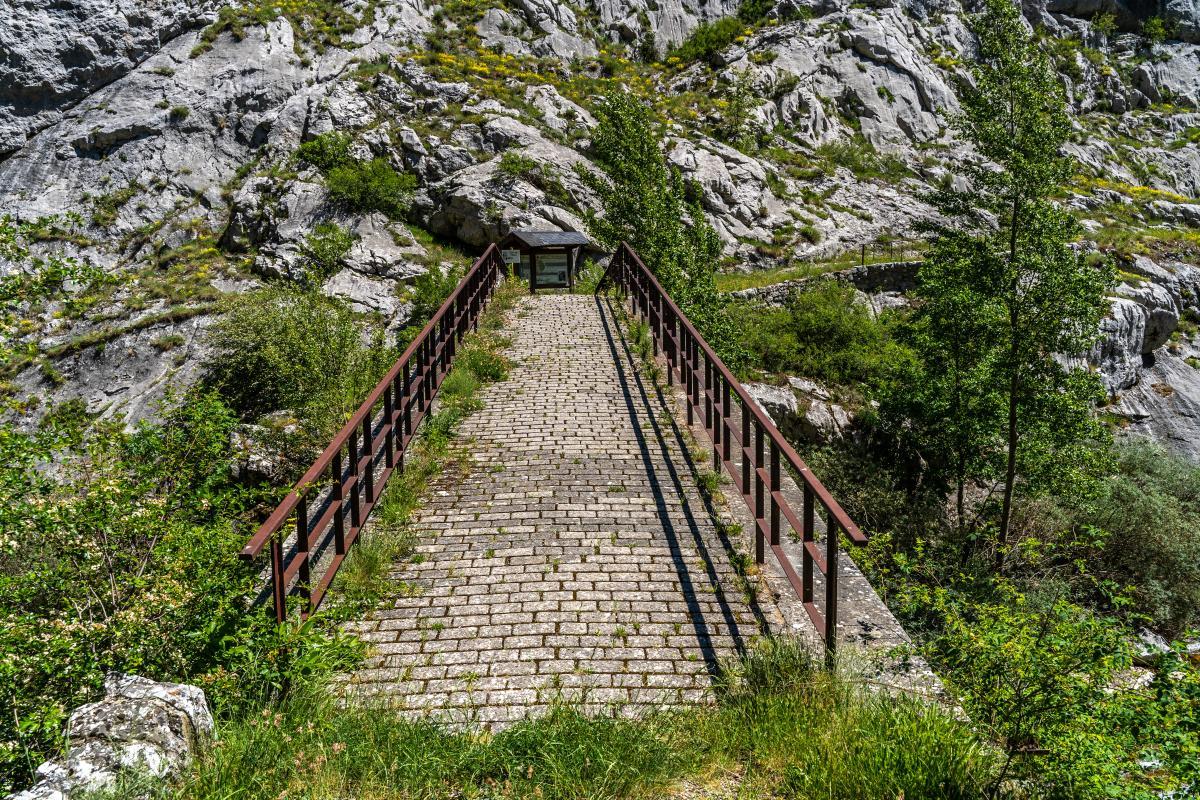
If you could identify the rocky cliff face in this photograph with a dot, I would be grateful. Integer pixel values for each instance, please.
(160, 137)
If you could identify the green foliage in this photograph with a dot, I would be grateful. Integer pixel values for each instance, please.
(1105, 24)
(860, 157)
(317, 23)
(708, 40)
(324, 249)
(179, 113)
(823, 332)
(646, 203)
(516, 165)
(1000, 302)
(786, 730)
(361, 186)
(35, 279)
(371, 186)
(326, 151)
(1033, 675)
(1150, 507)
(282, 348)
(1156, 30)
(106, 206)
(125, 560)
(429, 291)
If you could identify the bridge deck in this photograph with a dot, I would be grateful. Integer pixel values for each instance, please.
(575, 557)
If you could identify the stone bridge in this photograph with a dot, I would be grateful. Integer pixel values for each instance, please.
(578, 557)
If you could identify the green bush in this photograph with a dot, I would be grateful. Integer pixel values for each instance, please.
(429, 290)
(281, 348)
(516, 165)
(371, 186)
(1150, 508)
(127, 560)
(823, 332)
(708, 40)
(325, 248)
(326, 151)
(860, 157)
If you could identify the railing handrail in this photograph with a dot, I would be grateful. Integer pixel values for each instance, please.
(275, 521)
(333, 501)
(762, 452)
(786, 450)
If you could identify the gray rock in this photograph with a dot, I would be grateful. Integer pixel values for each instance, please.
(54, 54)
(140, 726)
(370, 295)
(384, 249)
(802, 411)
(497, 29)
(565, 46)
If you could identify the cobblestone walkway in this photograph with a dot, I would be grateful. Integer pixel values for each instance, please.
(576, 557)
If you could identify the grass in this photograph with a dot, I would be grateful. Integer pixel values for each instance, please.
(364, 579)
(105, 207)
(103, 336)
(878, 253)
(779, 728)
(318, 24)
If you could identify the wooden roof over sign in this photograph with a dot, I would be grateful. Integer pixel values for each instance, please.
(551, 238)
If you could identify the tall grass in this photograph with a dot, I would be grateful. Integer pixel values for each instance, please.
(779, 729)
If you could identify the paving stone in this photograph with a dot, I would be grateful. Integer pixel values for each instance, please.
(573, 559)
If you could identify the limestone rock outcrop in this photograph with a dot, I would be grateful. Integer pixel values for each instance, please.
(139, 727)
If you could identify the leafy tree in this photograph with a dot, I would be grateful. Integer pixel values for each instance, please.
(1105, 24)
(1004, 299)
(647, 203)
(738, 126)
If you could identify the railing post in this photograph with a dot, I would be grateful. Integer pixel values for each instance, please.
(726, 428)
(304, 579)
(759, 509)
(745, 444)
(775, 486)
(808, 537)
(688, 373)
(339, 518)
(713, 398)
(389, 419)
(426, 361)
(656, 310)
(406, 400)
(356, 490)
(669, 343)
(694, 355)
(708, 409)
(831, 587)
(369, 455)
(278, 587)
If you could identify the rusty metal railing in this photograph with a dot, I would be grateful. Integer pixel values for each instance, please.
(762, 451)
(330, 505)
